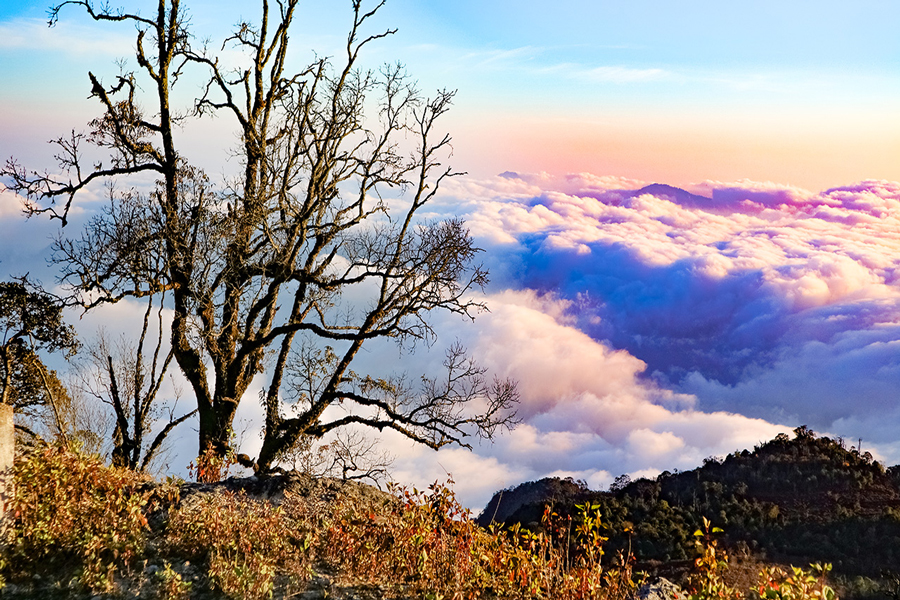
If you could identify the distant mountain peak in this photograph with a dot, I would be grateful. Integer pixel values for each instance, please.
(677, 195)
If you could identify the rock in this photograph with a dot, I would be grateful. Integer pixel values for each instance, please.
(319, 582)
(273, 487)
(660, 589)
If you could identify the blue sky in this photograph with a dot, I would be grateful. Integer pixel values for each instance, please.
(796, 92)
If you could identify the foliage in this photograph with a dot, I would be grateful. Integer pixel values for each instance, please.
(73, 515)
(778, 584)
(211, 466)
(707, 581)
(33, 318)
(172, 585)
(31, 321)
(71, 509)
(423, 540)
(799, 500)
(774, 582)
(431, 545)
(243, 542)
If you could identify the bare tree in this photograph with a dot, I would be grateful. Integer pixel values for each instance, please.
(277, 252)
(76, 418)
(128, 378)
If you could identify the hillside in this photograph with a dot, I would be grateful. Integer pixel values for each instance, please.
(800, 500)
(84, 530)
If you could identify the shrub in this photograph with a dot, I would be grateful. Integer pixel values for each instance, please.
(74, 514)
(240, 540)
(172, 585)
(707, 581)
(211, 467)
(776, 583)
(426, 541)
(431, 545)
(71, 509)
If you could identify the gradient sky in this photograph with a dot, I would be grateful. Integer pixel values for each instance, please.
(799, 92)
(650, 330)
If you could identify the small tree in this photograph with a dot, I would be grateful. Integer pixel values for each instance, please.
(349, 455)
(31, 321)
(275, 253)
(128, 378)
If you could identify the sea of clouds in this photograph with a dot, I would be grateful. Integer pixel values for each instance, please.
(648, 327)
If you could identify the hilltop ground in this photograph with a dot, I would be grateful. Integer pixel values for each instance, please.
(85, 530)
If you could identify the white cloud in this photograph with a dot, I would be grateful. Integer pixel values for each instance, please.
(65, 36)
(586, 410)
(762, 300)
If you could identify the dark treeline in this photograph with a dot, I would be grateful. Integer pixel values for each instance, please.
(800, 500)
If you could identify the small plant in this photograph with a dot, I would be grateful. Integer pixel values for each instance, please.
(710, 565)
(172, 585)
(776, 583)
(211, 467)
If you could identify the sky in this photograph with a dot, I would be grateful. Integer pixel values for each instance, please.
(651, 329)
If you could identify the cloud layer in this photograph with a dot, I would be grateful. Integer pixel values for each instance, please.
(587, 411)
(757, 299)
(650, 327)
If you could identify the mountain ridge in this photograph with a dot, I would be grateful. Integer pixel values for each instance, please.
(798, 501)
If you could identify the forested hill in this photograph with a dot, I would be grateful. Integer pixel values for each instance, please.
(796, 500)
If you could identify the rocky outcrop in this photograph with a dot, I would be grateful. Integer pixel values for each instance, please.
(272, 488)
(660, 589)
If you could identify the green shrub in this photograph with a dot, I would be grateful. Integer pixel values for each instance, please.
(171, 584)
(707, 582)
(773, 583)
(776, 583)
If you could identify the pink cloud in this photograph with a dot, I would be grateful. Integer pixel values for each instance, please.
(587, 410)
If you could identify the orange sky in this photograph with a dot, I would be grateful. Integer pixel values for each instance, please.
(813, 153)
